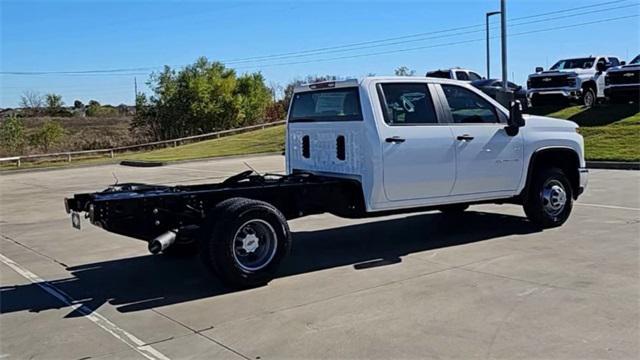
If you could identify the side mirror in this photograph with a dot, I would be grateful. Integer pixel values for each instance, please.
(539, 69)
(601, 67)
(623, 63)
(515, 120)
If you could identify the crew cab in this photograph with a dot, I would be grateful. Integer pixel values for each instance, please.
(578, 79)
(623, 82)
(358, 148)
(455, 74)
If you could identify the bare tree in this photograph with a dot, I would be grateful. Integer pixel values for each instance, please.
(32, 101)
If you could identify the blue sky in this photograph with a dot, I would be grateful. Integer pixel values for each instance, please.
(72, 36)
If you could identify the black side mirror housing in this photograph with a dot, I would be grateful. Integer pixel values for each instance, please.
(601, 66)
(515, 120)
(623, 63)
(539, 69)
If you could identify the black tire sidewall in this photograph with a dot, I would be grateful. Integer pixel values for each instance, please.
(534, 206)
(217, 250)
(584, 96)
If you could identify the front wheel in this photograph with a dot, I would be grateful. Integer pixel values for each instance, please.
(244, 241)
(589, 98)
(550, 198)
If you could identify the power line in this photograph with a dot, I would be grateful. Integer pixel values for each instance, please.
(345, 47)
(417, 34)
(440, 45)
(428, 38)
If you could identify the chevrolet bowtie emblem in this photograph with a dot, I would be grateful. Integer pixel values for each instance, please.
(546, 79)
(628, 75)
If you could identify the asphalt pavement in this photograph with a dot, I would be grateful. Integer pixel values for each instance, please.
(414, 286)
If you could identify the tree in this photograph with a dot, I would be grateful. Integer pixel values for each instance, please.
(78, 105)
(54, 103)
(404, 71)
(95, 109)
(12, 134)
(254, 96)
(32, 102)
(202, 97)
(47, 135)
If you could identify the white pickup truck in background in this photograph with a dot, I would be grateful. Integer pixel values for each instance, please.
(373, 147)
(579, 79)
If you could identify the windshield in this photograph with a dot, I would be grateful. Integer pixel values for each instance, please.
(326, 105)
(583, 63)
(636, 60)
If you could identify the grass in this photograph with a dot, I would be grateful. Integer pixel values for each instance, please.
(611, 132)
(254, 142)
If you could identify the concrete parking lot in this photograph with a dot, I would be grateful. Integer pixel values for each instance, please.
(483, 285)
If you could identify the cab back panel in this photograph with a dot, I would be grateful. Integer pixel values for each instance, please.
(326, 147)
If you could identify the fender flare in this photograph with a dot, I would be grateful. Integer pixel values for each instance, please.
(573, 178)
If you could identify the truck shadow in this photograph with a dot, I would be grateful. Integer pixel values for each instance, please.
(144, 282)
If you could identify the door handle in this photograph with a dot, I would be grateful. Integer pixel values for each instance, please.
(395, 139)
(465, 137)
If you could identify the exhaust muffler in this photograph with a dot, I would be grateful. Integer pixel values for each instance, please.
(162, 242)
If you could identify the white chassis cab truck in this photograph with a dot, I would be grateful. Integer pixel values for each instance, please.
(373, 147)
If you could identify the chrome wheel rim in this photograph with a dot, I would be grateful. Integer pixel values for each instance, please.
(254, 245)
(588, 99)
(554, 197)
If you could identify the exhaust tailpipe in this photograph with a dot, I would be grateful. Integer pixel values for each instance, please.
(162, 242)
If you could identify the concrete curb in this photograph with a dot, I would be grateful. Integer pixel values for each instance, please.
(614, 165)
(138, 163)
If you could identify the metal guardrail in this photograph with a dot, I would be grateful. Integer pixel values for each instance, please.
(112, 151)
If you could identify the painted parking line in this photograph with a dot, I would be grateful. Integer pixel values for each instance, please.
(129, 339)
(608, 206)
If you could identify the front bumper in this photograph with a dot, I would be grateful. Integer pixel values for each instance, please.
(584, 179)
(631, 91)
(566, 92)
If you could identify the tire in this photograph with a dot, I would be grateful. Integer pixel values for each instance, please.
(589, 98)
(550, 198)
(454, 209)
(244, 241)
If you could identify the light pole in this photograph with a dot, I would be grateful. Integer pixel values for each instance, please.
(503, 27)
(488, 51)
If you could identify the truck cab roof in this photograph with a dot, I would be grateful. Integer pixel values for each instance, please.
(335, 84)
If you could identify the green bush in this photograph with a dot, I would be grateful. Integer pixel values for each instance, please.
(203, 97)
(48, 134)
(12, 135)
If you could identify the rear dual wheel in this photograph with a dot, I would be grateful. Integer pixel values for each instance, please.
(244, 241)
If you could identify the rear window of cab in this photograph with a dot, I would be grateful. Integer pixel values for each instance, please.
(342, 104)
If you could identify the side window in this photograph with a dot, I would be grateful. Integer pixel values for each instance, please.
(473, 76)
(461, 75)
(407, 104)
(468, 107)
(613, 62)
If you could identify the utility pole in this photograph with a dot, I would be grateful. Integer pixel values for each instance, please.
(135, 90)
(503, 26)
(488, 50)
